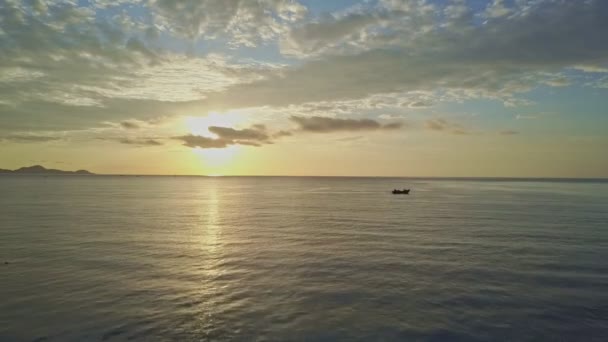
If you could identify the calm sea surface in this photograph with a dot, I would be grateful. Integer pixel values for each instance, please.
(315, 259)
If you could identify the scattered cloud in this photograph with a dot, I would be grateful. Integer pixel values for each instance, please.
(443, 125)
(460, 131)
(525, 117)
(241, 22)
(601, 83)
(256, 135)
(497, 9)
(194, 141)
(29, 138)
(419, 104)
(467, 58)
(436, 124)
(320, 124)
(390, 117)
(140, 142)
(508, 132)
(130, 124)
(590, 68)
(558, 82)
(71, 65)
(281, 134)
(318, 36)
(392, 125)
(68, 65)
(533, 116)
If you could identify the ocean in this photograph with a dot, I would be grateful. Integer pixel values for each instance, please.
(109, 258)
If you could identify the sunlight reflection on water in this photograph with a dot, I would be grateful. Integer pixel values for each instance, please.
(187, 258)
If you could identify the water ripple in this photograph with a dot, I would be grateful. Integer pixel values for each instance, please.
(324, 259)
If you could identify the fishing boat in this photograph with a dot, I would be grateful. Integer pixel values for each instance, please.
(401, 192)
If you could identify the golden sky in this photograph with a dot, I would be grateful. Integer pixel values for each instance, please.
(352, 88)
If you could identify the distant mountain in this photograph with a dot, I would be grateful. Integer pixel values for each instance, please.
(38, 169)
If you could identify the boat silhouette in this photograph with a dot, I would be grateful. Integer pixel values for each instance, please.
(401, 192)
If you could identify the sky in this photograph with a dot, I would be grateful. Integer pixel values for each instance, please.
(452, 88)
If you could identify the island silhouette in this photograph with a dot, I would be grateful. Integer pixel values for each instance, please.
(39, 169)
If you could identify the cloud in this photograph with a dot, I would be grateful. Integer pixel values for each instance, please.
(130, 124)
(281, 134)
(242, 22)
(445, 126)
(497, 9)
(67, 48)
(590, 68)
(499, 60)
(73, 64)
(525, 117)
(314, 37)
(178, 78)
(558, 82)
(65, 65)
(203, 142)
(508, 132)
(460, 131)
(392, 125)
(390, 117)
(533, 116)
(436, 124)
(340, 108)
(140, 142)
(29, 138)
(601, 83)
(54, 54)
(420, 104)
(256, 135)
(320, 124)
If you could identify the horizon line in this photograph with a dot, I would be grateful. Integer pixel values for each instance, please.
(514, 178)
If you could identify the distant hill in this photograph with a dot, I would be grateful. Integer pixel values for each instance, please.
(38, 169)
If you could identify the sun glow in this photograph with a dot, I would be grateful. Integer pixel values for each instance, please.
(216, 157)
(214, 160)
(199, 125)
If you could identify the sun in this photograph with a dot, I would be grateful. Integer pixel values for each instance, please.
(214, 161)
(199, 125)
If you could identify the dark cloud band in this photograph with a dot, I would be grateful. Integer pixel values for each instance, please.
(319, 124)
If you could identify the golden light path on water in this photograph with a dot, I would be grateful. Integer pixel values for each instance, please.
(212, 229)
(293, 258)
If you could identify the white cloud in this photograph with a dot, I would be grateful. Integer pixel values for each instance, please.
(18, 74)
(533, 116)
(497, 9)
(443, 125)
(65, 65)
(590, 68)
(601, 83)
(242, 22)
(560, 81)
(498, 60)
(179, 78)
(316, 37)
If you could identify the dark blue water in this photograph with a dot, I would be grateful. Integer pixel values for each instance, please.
(276, 259)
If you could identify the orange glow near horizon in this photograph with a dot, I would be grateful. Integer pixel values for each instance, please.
(216, 158)
(213, 160)
(199, 125)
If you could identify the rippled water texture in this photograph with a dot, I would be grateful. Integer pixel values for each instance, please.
(187, 258)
